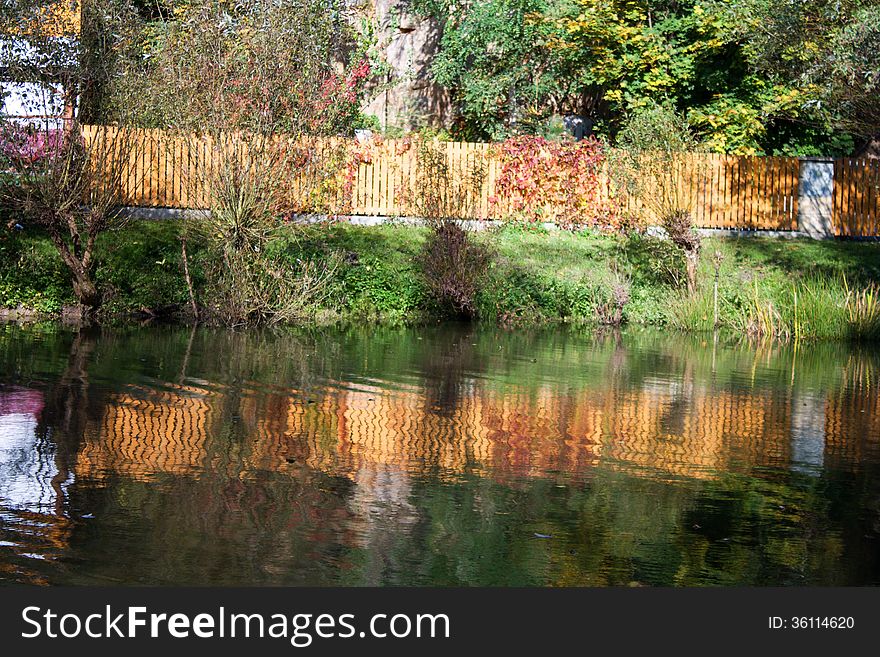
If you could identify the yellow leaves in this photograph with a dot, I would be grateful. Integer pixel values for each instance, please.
(181, 9)
(745, 150)
(719, 143)
(555, 43)
(729, 126)
(787, 97)
(60, 18)
(65, 17)
(659, 82)
(533, 18)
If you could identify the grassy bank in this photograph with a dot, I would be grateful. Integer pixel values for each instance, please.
(787, 288)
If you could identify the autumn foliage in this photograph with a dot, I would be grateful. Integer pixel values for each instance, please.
(553, 181)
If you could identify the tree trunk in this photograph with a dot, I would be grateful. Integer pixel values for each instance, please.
(690, 258)
(84, 288)
(189, 285)
(86, 292)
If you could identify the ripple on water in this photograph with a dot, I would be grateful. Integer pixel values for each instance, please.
(435, 456)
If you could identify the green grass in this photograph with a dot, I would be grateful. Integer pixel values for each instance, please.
(378, 279)
(139, 270)
(537, 277)
(32, 275)
(798, 289)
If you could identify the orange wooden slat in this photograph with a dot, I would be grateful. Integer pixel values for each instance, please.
(873, 171)
(848, 215)
(794, 174)
(722, 191)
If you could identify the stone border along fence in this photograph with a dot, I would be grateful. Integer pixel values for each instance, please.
(821, 197)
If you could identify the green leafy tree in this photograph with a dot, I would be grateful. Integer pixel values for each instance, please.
(851, 75)
(637, 52)
(828, 49)
(747, 79)
(495, 58)
(634, 51)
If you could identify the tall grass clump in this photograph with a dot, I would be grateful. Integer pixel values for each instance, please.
(863, 311)
(695, 312)
(250, 279)
(810, 309)
(819, 309)
(813, 310)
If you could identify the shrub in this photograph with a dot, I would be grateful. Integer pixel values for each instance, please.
(610, 311)
(249, 281)
(23, 147)
(649, 166)
(73, 187)
(453, 263)
(266, 67)
(653, 260)
(454, 266)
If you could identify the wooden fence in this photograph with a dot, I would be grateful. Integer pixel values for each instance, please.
(856, 202)
(338, 176)
(750, 193)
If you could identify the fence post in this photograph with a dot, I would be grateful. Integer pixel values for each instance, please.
(815, 197)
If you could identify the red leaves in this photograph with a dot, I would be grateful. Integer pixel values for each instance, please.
(339, 94)
(560, 182)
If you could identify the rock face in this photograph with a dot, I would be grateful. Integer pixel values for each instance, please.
(870, 149)
(408, 99)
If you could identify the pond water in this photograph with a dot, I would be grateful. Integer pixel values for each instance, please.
(448, 455)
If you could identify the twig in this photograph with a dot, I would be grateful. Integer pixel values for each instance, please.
(189, 285)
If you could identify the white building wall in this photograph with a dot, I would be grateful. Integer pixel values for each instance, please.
(30, 102)
(33, 102)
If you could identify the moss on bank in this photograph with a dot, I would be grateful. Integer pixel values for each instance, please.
(536, 277)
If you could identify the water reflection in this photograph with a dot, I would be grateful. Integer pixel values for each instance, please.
(32, 488)
(434, 456)
(26, 470)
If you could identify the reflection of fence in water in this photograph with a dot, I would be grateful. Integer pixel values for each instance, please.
(526, 434)
(852, 428)
(696, 436)
(345, 430)
(44, 536)
(147, 432)
(342, 431)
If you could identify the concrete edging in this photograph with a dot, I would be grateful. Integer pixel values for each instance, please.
(157, 214)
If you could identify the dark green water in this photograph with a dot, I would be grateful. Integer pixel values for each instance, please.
(439, 456)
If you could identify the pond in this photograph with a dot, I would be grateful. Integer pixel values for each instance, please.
(448, 455)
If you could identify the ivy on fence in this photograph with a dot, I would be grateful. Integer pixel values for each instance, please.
(553, 181)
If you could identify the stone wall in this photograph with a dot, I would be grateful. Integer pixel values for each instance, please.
(408, 99)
